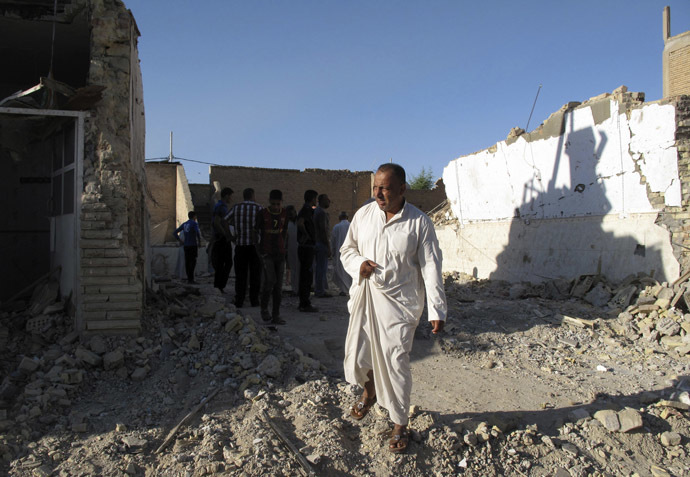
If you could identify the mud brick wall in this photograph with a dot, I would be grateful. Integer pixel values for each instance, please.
(347, 190)
(161, 182)
(426, 200)
(113, 211)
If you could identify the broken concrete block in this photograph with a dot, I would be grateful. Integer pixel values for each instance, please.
(667, 326)
(88, 357)
(234, 325)
(270, 366)
(629, 419)
(598, 296)
(28, 365)
(609, 419)
(194, 344)
(113, 360)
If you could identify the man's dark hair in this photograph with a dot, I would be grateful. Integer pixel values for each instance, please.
(275, 194)
(397, 170)
(191, 214)
(226, 191)
(310, 195)
(248, 193)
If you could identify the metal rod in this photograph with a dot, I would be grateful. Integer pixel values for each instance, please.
(533, 105)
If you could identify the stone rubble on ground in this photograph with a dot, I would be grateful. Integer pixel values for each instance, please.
(104, 404)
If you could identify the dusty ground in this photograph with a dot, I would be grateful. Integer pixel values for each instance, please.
(509, 389)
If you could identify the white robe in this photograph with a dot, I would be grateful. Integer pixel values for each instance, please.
(341, 278)
(385, 309)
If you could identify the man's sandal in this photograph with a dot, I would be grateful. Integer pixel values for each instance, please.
(361, 409)
(398, 442)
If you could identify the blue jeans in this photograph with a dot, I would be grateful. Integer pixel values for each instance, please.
(321, 269)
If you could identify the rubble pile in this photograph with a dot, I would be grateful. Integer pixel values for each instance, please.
(207, 390)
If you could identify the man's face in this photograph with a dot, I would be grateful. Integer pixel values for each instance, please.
(388, 191)
(227, 198)
(275, 205)
(325, 202)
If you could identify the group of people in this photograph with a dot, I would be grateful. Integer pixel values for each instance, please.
(265, 240)
(391, 261)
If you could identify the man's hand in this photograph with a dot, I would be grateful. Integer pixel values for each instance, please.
(437, 326)
(367, 268)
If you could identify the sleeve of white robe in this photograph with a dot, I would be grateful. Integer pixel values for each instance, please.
(349, 252)
(430, 257)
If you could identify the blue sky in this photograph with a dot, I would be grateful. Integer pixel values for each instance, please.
(351, 84)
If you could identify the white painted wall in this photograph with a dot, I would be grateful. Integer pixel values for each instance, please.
(580, 198)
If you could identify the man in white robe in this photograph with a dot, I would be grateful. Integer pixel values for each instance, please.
(392, 253)
(340, 277)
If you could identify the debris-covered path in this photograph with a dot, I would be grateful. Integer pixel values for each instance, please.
(519, 384)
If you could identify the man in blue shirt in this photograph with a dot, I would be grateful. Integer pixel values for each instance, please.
(191, 243)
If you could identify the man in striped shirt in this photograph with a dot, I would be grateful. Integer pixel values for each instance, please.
(243, 217)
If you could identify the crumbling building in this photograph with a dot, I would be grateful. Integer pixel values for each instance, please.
(72, 158)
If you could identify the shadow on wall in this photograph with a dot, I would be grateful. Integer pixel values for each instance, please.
(544, 236)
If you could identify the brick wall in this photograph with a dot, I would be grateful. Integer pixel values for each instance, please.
(679, 71)
(427, 200)
(677, 219)
(113, 243)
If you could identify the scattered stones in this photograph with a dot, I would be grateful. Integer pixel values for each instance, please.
(669, 439)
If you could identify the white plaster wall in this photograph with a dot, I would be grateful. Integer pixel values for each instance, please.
(539, 178)
(569, 205)
(168, 261)
(559, 248)
(183, 197)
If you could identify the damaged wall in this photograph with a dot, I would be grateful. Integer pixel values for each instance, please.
(347, 190)
(113, 212)
(579, 195)
(675, 60)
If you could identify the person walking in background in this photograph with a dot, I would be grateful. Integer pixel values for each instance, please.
(243, 217)
(341, 278)
(191, 244)
(272, 226)
(292, 258)
(306, 239)
(322, 248)
(221, 250)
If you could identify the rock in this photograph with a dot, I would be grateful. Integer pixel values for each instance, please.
(470, 438)
(134, 442)
(194, 344)
(570, 449)
(98, 345)
(234, 325)
(88, 357)
(314, 458)
(659, 471)
(270, 366)
(629, 419)
(28, 365)
(140, 373)
(517, 291)
(609, 419)
(667, 326)
(210, 308)
(598, 296)
(578, 414)
(113, 360)
(670, 439)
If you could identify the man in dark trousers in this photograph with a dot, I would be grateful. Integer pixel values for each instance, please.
(243, 217)
(322, 249)
(273, 232)
(306, 239)
(221, 251)
(191, 243)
